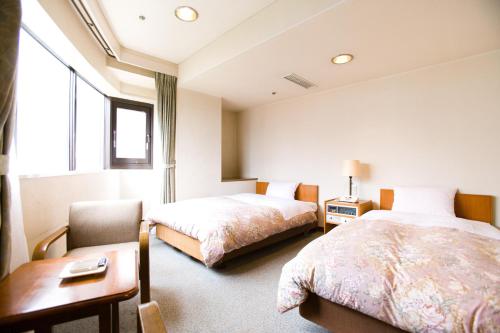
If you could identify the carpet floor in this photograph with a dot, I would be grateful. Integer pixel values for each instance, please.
(241, 297)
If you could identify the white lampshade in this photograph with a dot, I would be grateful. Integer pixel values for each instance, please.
(351, 168)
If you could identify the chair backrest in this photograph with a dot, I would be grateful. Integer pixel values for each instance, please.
(150, 317)
(93, 223)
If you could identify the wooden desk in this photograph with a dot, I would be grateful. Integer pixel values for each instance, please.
(34, 297)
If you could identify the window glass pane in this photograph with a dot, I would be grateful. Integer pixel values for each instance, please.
(43, 104)
(130, 133)
(89, 127)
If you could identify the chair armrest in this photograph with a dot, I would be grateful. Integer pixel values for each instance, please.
(144, 229)
(41, 248)
(150, 318)
(144, 261)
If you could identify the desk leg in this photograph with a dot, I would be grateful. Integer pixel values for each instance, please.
(43, 329)
(115, 318)
(105, 319)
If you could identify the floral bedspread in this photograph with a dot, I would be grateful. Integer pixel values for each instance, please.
(224, 224)
(420, 279)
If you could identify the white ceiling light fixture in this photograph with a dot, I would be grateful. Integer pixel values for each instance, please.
(342, 59)
(186, 14)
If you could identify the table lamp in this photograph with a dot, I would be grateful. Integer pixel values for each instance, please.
(351, 168)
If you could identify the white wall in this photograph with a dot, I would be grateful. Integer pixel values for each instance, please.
(45, 201)
(229, 145)
(198, 148)
(438, 126)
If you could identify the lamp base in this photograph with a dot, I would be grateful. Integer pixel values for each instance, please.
(350, 185)
(348, 198)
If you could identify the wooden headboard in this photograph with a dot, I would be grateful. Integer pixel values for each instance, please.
(467, 206)
(307, 193)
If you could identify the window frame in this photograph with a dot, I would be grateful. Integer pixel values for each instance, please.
(129, 163)
(70, 78)
(75, 76)
(109, 114)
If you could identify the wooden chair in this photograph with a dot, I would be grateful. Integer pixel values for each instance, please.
(150, 318)
(101, 226)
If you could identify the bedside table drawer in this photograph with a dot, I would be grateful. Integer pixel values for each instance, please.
(340, 212)
(337, 219)
(340, 209)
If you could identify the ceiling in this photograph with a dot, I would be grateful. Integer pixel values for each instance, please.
(386, 37)
(240, 50)
(162, 35)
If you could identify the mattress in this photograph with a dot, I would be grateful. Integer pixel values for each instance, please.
(226, 223)
(419, 273)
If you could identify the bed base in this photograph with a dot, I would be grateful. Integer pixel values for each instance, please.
(340, 319)
(191, 246)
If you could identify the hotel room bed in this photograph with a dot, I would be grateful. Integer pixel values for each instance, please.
(216, 229)
(393, 272)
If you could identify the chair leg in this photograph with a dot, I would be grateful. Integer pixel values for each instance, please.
(144, 279)
(145, 286)
(144, 267)
(139, 328)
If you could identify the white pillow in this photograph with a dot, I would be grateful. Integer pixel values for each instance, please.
(282, 190)
(425, 200)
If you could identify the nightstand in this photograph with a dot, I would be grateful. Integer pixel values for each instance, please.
(337, 212)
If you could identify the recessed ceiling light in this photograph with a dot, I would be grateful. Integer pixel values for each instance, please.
(186, 14)
(342, 59)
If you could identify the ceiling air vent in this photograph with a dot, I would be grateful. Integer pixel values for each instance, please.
(299, 80)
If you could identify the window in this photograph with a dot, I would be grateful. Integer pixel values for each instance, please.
(131, 129)
(61, 119)
(90, 106)
(42, 135)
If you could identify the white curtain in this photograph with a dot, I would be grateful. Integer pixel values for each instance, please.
(19, 254)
